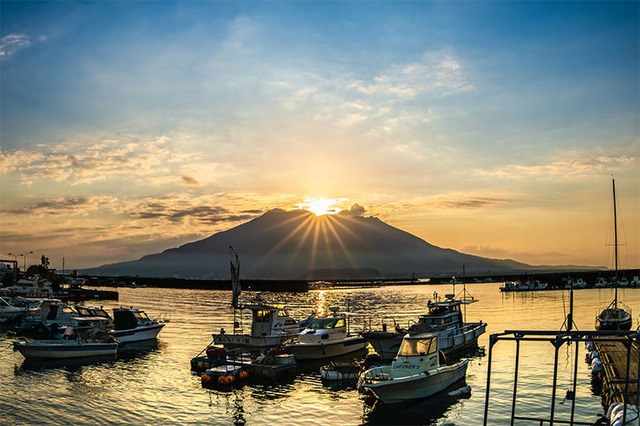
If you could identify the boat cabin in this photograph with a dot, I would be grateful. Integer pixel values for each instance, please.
(417, 353)
(126, 319)
(271, 321)
(442, 313)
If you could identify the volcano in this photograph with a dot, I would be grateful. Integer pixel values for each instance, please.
(300, 245)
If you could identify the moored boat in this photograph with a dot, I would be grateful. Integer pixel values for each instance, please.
(271, 326)
(85, 340)
(326, 337)
(615, 316)
(444, 318)
(415, 373)
(134, 325)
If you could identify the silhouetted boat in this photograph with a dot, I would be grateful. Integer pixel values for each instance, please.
(614, 316)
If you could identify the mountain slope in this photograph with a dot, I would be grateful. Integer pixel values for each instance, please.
(288, 245)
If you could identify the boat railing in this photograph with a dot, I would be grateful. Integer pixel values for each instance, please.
(389, 323)
(557, 340)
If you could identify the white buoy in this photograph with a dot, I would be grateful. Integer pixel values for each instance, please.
(596, 366)
(616, 411)
(462, 391)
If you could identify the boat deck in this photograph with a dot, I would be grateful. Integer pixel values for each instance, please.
(619, 360)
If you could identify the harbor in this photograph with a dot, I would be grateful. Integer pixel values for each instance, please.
(160, 374)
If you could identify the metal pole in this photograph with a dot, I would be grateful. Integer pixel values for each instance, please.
(557, 345)
(492, 341)
(575, 378)
(515, 382)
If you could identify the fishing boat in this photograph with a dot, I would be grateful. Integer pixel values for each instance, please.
(87, 339)
(444, 318)
(326, 337)
(134, 325)
(271, 326)
(415, 373)
(615, 316)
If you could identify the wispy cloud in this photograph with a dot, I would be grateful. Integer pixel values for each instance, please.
(12, 43)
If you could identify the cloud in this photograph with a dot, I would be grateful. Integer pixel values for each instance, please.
(572, 163)
(436, 72)
(191, 181)
(468, 202)
(12, 43)
(356, 210)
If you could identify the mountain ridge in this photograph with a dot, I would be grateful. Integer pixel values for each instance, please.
(295, 244)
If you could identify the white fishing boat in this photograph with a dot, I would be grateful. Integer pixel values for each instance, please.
(415, 373)
(88, 339)
(326, 337)
(134, 325)
(444, 318)
(270, 325)
(615, 316)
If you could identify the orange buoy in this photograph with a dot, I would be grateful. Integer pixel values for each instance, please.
(231, 379)
(223, 380)
(205, 378)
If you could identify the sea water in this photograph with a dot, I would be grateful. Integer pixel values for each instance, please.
(152, 383)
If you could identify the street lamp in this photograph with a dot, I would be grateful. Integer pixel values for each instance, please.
(15, 256)
(25, 260)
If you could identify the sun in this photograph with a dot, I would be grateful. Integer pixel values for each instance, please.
(321, 206)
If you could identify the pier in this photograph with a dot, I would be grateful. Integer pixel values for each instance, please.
(618, 351)
(621, 370)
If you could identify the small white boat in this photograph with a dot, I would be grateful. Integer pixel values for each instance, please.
(134, 325)
(415, 372)
(270, 326)
(326, 337)
(86, 340)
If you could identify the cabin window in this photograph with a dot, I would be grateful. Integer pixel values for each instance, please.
(282, 313)
(326, 323)
(415, 347)
(262, 315)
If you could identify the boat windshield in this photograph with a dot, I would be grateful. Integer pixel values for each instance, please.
(417, 347)
(319, 323)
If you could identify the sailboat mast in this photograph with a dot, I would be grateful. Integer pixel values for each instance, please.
(615, 242)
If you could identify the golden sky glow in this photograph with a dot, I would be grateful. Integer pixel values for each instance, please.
(453, 124)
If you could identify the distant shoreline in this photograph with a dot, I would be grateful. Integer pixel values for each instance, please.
(556, 280)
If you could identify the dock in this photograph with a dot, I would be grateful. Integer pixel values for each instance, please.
(618, 352)
(621, 371)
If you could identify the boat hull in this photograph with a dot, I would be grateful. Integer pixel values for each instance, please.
(328, 349)
(138, 334)
(417, 386)
(613, 319)
(450, 341)
(59, 349)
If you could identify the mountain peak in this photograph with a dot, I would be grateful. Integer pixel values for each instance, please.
(292, 244)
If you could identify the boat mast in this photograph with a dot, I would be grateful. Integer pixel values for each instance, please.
(615, 244)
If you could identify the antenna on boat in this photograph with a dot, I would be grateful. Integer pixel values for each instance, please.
(615, 243)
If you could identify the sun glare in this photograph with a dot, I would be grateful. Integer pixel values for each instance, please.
(321, 206)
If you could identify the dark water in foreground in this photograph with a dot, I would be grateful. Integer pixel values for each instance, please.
(154, 384)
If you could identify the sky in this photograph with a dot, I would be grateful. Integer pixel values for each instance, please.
(488, 127)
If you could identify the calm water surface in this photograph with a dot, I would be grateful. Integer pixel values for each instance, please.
(153, 384)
